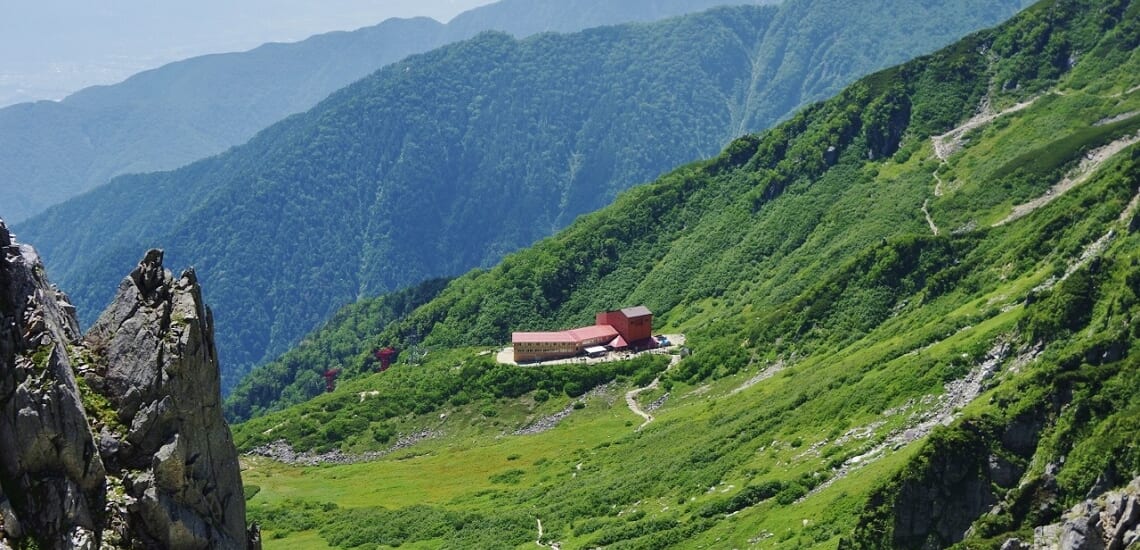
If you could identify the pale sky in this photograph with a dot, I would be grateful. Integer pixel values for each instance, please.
(50, 48)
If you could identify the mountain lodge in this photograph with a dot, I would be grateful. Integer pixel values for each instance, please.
(629, 328)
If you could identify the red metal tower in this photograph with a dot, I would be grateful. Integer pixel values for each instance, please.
(385, 355)
(330, 379)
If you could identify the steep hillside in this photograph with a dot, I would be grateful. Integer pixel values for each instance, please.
(449, 160)
(167, 117)
(911, 315)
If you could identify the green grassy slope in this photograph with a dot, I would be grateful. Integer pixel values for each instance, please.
(451, 159)
(856, 379)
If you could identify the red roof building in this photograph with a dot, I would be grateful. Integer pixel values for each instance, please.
(617, 329)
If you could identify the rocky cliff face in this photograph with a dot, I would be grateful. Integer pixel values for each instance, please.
(132, 452)
(51, 477)
(1110, 522)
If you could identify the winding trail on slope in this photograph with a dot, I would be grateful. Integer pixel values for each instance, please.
(631, 395)
(937, 183)
(929, 220)
(951, 142)
(1122, 94)
(631, 400)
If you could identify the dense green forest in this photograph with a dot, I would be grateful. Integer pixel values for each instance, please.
(450, 160)
(167, 117)
(910, 309)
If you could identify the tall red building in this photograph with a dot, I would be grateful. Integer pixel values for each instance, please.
(634, 324)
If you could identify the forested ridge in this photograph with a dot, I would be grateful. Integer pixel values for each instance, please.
(184, 111)
(451, 159)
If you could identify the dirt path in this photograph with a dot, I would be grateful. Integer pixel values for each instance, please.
(1089, 165)
(631, 395)
(1117, 118)
(1128, 92)
(950, 142)
(764, 375)
(631, 400)
(929, 220)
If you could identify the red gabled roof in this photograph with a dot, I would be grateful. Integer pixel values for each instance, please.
(619, 343)
(542, 337)
(574, 336)
(596, 331)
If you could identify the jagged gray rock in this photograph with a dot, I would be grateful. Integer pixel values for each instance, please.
(162, 471)
(1111, 522)
(1014, 544)
(50, 470)
(158, 367)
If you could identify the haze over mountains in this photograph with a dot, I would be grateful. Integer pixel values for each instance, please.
(170, 116)
(51, 48)
(451, 159)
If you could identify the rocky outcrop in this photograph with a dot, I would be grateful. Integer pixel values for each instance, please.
(1111, 522)
(157, 366)
(133, 452)
(51, 478)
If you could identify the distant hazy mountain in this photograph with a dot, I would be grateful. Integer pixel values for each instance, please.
(167, 117)
(451, 159)
(52, 48)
